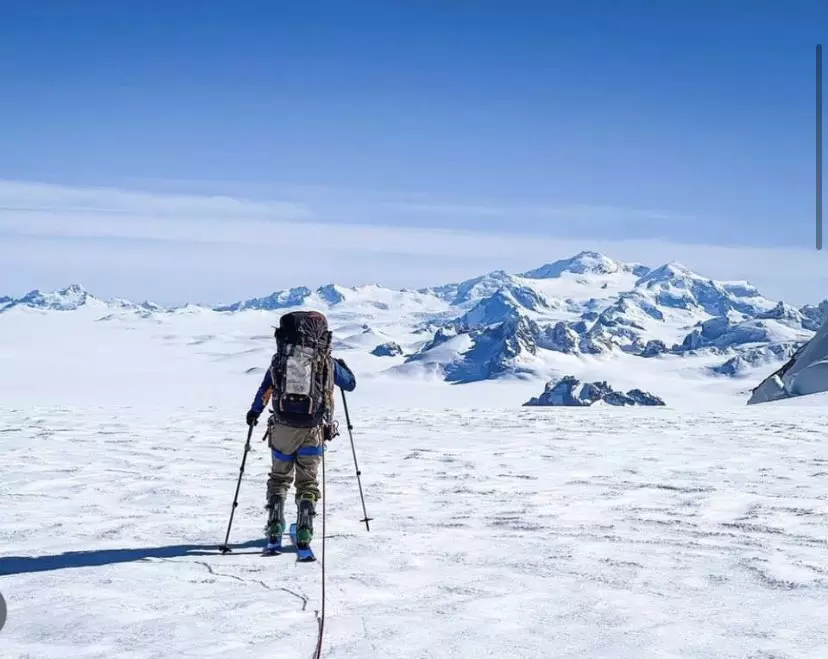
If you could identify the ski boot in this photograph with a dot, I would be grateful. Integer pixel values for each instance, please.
(304, 522)
(275, 527)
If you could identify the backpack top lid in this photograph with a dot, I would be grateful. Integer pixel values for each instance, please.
(303, 327)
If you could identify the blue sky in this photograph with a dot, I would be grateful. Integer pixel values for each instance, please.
(657, 130)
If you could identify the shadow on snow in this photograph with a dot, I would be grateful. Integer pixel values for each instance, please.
(93, 558)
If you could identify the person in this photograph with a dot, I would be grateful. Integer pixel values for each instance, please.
(300, 384)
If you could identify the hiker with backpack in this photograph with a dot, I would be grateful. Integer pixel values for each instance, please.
(300, 383)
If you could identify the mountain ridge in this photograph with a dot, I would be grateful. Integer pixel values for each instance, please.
(473, 289)
(501, 324)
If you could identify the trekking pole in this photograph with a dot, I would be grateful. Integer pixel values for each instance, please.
(225, 548)
(366, 519)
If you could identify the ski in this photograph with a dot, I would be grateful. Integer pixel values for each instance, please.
(302, 555)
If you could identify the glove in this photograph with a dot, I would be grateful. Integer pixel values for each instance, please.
(252, 418)
(330, 431)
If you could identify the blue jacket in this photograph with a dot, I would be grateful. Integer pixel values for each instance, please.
(343, 378)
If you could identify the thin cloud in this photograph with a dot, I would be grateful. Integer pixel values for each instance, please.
(20, 196)
(604, 215)
(84, 233)
(447, 209)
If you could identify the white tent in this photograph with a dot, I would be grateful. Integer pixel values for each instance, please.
(804, 373)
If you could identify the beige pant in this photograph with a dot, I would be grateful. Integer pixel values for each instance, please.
(296, 450)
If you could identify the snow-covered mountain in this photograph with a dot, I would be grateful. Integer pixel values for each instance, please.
(586, 263)
(581, 315)
(66, 299)
(73, 298)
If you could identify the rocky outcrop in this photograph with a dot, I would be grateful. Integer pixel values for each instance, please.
(654, 347)
(390, 349)
(814, 315)
(560, 338)
(750, 359)
(571, 392)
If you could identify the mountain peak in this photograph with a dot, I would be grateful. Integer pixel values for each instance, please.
(675, 286)
(331, 293)
(72, 289)
(669, 272)
(586, 262)
(64, 299)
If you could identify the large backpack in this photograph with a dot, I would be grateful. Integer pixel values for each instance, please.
(301, 370)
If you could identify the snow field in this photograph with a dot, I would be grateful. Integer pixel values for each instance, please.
(530, 533)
